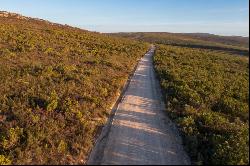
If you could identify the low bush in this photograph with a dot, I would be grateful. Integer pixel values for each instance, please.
(207, 94)
(57, 85)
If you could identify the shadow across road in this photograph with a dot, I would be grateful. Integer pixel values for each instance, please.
(140, 132)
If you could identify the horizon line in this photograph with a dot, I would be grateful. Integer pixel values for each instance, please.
(105, 32)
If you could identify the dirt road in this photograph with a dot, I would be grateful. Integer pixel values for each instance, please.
(140, 132)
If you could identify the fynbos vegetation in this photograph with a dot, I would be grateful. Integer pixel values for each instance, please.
(57, 86)
(230, 44)
(207, 95)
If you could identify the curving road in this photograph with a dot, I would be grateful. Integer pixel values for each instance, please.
(141, 133)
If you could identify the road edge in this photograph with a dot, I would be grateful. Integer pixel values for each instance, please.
(96, 154)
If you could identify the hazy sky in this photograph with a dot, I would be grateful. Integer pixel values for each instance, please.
(224, 17)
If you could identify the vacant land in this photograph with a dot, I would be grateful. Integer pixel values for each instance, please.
(57, 84)
(207, 94)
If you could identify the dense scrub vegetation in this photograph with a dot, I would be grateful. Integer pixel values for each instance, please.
(231, 44)
(57, 85)
(207, 96)
(206, 87)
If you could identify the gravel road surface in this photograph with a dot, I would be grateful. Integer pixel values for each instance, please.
(140, 132)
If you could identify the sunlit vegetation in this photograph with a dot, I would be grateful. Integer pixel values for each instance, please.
(231, 44)
(57, 86)
(207, 95)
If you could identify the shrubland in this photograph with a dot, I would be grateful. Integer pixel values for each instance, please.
(207, 95)
(231, 44)
(58, 83)
(57, 86)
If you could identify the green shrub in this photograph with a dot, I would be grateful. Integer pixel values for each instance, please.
(4, 160)
(207, 95)
(52, 101)
(55, 82)
(12, 139)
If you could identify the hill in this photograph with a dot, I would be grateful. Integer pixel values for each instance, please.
(58, 83)
(231, 44)
(57, 86)
(206, 91)
(227, 40)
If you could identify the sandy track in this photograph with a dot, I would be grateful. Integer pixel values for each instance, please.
(140, 132)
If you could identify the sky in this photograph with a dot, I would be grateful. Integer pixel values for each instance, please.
(222, 17)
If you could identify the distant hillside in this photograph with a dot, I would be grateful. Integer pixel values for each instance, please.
(206, 91)
(227, 40)
(234, 44)
(57, 86)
